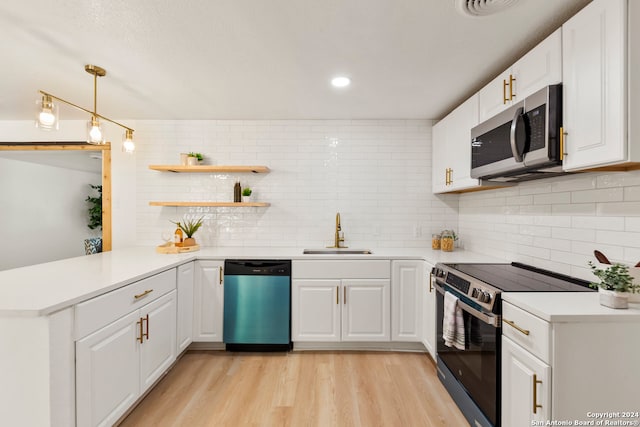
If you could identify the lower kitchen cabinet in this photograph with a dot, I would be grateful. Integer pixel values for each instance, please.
(341, 310)
(429, 311)
(407, 277)
(185, 285)
(208, 301)
(119, 362)
(526, 386)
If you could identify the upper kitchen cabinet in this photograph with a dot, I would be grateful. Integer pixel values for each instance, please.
(451, 156)
(601, 88)
(540, 67)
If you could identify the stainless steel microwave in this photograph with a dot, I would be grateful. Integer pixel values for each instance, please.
(521, 143)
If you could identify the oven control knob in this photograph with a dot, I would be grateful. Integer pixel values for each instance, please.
(474, 293)
(486, 296)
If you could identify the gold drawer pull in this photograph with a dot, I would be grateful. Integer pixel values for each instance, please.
(513, 325)
(536, 381)
(145, 293)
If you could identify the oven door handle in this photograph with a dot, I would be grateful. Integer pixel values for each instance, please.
(489, 319)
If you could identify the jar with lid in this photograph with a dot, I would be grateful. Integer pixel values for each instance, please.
(447, 241)
(435, 241)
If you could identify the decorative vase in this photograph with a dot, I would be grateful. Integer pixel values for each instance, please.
(192, 161)
(184, 159)
(189, 241)
(613, 299)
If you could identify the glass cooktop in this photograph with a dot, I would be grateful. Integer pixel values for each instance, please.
(516, 277)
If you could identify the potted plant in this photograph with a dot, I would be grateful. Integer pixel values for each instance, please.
(615, 285)
(93, 245)
(189, 227)
(246, 194)
(194, 158)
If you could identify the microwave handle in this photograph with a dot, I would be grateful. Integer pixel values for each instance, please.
(517, 156)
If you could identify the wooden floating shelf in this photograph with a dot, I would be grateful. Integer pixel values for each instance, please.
(213, 204)
(209, 169)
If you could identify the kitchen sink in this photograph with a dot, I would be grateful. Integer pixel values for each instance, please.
(334, 251)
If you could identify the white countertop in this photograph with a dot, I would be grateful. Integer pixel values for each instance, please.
(45, 288)
(570, 307)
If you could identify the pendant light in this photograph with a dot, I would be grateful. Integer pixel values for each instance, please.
(47, 114)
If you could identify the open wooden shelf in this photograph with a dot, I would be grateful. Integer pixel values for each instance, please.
(209, 169)
(213, 204)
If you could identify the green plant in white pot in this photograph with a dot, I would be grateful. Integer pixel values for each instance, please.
(615, 285)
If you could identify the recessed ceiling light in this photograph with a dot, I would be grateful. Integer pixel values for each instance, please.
(341, 81)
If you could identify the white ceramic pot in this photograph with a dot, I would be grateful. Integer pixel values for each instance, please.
(192, 161)
(184, 159)
(613, 299)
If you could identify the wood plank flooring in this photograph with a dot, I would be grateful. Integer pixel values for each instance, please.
(299, 389)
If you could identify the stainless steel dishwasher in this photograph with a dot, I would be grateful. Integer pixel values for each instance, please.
(257, 305)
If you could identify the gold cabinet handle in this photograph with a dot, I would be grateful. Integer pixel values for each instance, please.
(146, 335)
(511, 80)
(145, 293)
(504, 92)
(344, 294)
(337, 295)
(141, 337)
(536, 381)
(450, 176)
(562, 153)
(516, 327)
(220, 271)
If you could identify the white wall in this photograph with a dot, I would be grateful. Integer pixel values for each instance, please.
(557, 223)
(376, 173)
(43, 212)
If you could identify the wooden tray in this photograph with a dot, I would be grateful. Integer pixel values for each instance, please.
(169, 248)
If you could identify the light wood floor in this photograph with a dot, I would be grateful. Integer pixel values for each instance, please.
(299, 389)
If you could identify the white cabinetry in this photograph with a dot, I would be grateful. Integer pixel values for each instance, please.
(540, 67)
(601, 62)
(127, 353)
(185, 306)
(340, 301)
(554, 370)
(451, 157)
(526, 386)
(208, 301)
(407, 277)
(429, 311)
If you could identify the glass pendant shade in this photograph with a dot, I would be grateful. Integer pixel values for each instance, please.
(128, 146)
(95, 135)
(46, 114)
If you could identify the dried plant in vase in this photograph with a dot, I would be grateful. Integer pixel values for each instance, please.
(189, 227)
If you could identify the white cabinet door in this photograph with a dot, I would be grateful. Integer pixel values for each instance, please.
(594, 85)
(494, 97)
(184, 312)
(365, 310)
(429, 312)
(540, 67)
(315, 310)
(208, 301)
(406, 300)
(526, 386)
(108, 372)
(158, 349)
(451, 155)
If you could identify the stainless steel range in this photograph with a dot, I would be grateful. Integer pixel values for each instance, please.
(471, 373)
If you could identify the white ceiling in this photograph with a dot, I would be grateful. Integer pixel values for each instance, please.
(256, 59)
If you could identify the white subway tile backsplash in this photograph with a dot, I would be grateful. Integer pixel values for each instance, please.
(375, 172)
(600, 195)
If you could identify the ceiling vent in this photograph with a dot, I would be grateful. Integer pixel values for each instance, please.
(477, 8)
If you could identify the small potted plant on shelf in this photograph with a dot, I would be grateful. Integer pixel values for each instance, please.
(616, 284)
(189, 227)
(246, 194)
(194, 158)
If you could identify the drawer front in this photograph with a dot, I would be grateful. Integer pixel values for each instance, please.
(529, 331)
(341, 269)
(100, 311)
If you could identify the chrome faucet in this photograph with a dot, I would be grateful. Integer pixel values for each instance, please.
(339, 236)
